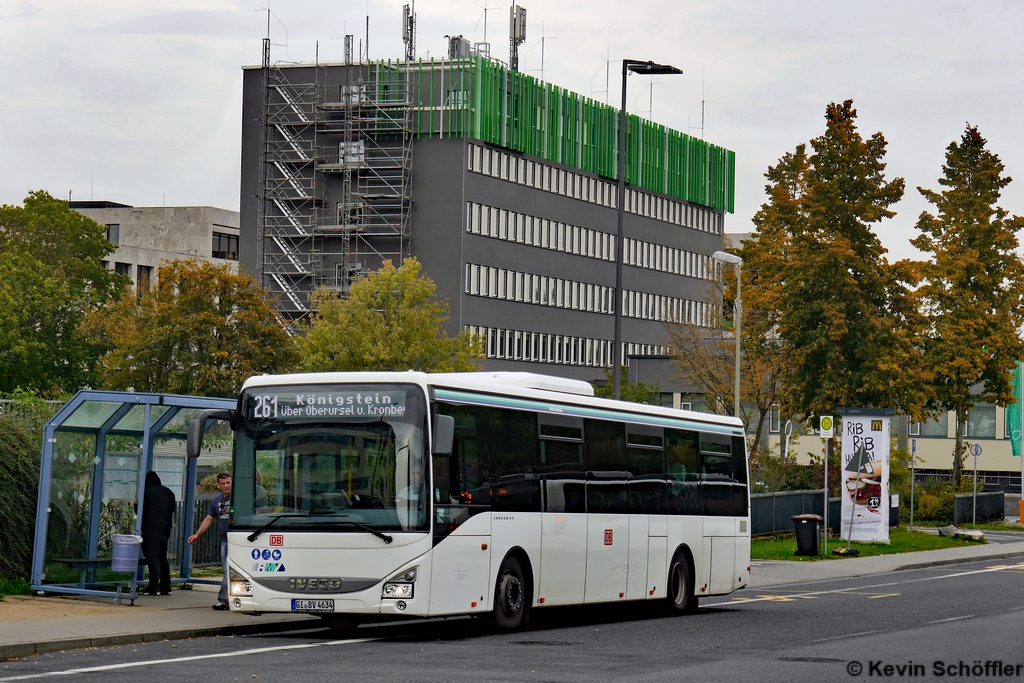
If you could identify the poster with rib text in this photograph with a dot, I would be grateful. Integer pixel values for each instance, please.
(865, 478)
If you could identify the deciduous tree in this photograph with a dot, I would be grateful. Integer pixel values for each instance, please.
(203, 330)
(846, 314)
(51, 276)
(973, 284)
(705, 359)
(389, 321)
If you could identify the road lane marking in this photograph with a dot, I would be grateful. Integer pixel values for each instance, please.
(848, 635)
(852, 589)
(942, 621)
(193, 658)
(883, 595)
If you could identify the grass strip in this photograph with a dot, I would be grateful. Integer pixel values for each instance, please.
(900, 541)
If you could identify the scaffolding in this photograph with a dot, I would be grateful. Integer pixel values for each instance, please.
(335, 185)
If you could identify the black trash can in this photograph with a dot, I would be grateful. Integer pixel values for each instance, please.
(808, 533)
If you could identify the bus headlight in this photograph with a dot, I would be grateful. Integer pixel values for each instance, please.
(239, 585)
(395, 591)
(400, 586)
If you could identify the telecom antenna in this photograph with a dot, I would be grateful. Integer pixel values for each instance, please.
(409, 31)
(349, 47)
(516, 34)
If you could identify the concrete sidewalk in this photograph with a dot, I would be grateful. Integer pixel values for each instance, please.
(779, 573)
(33, 625)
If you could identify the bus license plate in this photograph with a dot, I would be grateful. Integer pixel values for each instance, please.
(312, 605)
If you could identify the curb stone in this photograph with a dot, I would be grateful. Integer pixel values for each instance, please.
(18, 650)
(940, 563)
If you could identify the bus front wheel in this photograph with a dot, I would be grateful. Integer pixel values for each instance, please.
(681, 599)
(510, 599)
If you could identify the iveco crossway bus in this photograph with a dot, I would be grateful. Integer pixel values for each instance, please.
(361, 496)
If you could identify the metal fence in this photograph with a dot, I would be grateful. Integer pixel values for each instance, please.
(1007, 482)
(29, 415)
(770, 512)
(206, 549)
(990, 506)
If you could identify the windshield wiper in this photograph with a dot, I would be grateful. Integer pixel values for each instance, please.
(254, 535)
(379, 534)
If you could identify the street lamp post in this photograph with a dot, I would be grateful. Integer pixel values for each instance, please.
(648, 69)
(726, 257)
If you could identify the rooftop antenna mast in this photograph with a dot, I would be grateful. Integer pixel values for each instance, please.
(409, 30)
(516, 34)
(607, 75)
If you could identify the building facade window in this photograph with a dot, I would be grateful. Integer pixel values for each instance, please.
(937, 427)
(114, 233)
(511, 226)
(513, 168)
(123, 268)
(542, 290)
(225, 246)
(981, 422)
(539, 347)
(143, 279)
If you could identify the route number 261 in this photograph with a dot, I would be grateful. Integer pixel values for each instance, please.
(265, 407)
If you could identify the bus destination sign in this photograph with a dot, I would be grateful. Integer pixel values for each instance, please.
(307, 404)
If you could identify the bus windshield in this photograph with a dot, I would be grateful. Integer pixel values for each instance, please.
(335, 457)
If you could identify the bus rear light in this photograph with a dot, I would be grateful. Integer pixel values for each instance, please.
(622, 595)
(542, 601)
(483, 546)
(653, 589)
(473, 604)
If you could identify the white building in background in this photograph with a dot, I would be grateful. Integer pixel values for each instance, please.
(145, 236)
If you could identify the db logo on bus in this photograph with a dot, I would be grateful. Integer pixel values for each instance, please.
(607, 536)
(276, 539)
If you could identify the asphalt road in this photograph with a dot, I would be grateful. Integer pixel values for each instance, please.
(821, 631)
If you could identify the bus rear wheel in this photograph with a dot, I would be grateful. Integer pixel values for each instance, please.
(510, 599)
(681, 599)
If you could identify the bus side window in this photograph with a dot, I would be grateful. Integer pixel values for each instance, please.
(468, 464)
(681, 453)
(682, 462)
(561, 463)
(515, 486)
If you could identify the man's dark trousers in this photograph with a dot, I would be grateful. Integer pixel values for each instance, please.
(154, 547)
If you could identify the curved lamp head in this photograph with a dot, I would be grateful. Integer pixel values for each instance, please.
(649, 68)
(726, 257)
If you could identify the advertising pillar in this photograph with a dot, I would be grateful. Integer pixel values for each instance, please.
(865, 475)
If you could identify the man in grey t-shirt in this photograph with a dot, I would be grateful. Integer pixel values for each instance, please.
(220, 508)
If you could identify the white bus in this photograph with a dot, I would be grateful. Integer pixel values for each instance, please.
(361, 496)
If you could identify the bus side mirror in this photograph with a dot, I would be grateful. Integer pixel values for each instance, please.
(444, 434)
(197, 427)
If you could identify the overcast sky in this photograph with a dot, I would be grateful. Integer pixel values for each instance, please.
(140, 101)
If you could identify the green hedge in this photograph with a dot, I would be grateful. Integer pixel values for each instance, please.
(19, 481)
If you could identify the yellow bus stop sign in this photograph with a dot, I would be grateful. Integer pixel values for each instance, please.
(826, 424)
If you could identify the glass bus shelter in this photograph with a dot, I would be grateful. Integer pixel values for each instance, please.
(96, 452)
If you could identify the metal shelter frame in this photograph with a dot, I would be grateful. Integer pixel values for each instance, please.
(151, 428)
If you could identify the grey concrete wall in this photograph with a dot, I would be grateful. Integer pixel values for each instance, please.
(152, 235)
(252, 98)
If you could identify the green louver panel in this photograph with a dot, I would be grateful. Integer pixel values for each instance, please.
(482, 100)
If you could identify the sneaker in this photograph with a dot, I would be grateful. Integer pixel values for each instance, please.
(221, 606)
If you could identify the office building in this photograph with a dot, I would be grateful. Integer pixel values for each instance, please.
(503, 186)
(145, 236)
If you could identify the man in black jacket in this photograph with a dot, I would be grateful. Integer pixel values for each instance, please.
(157, 518)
